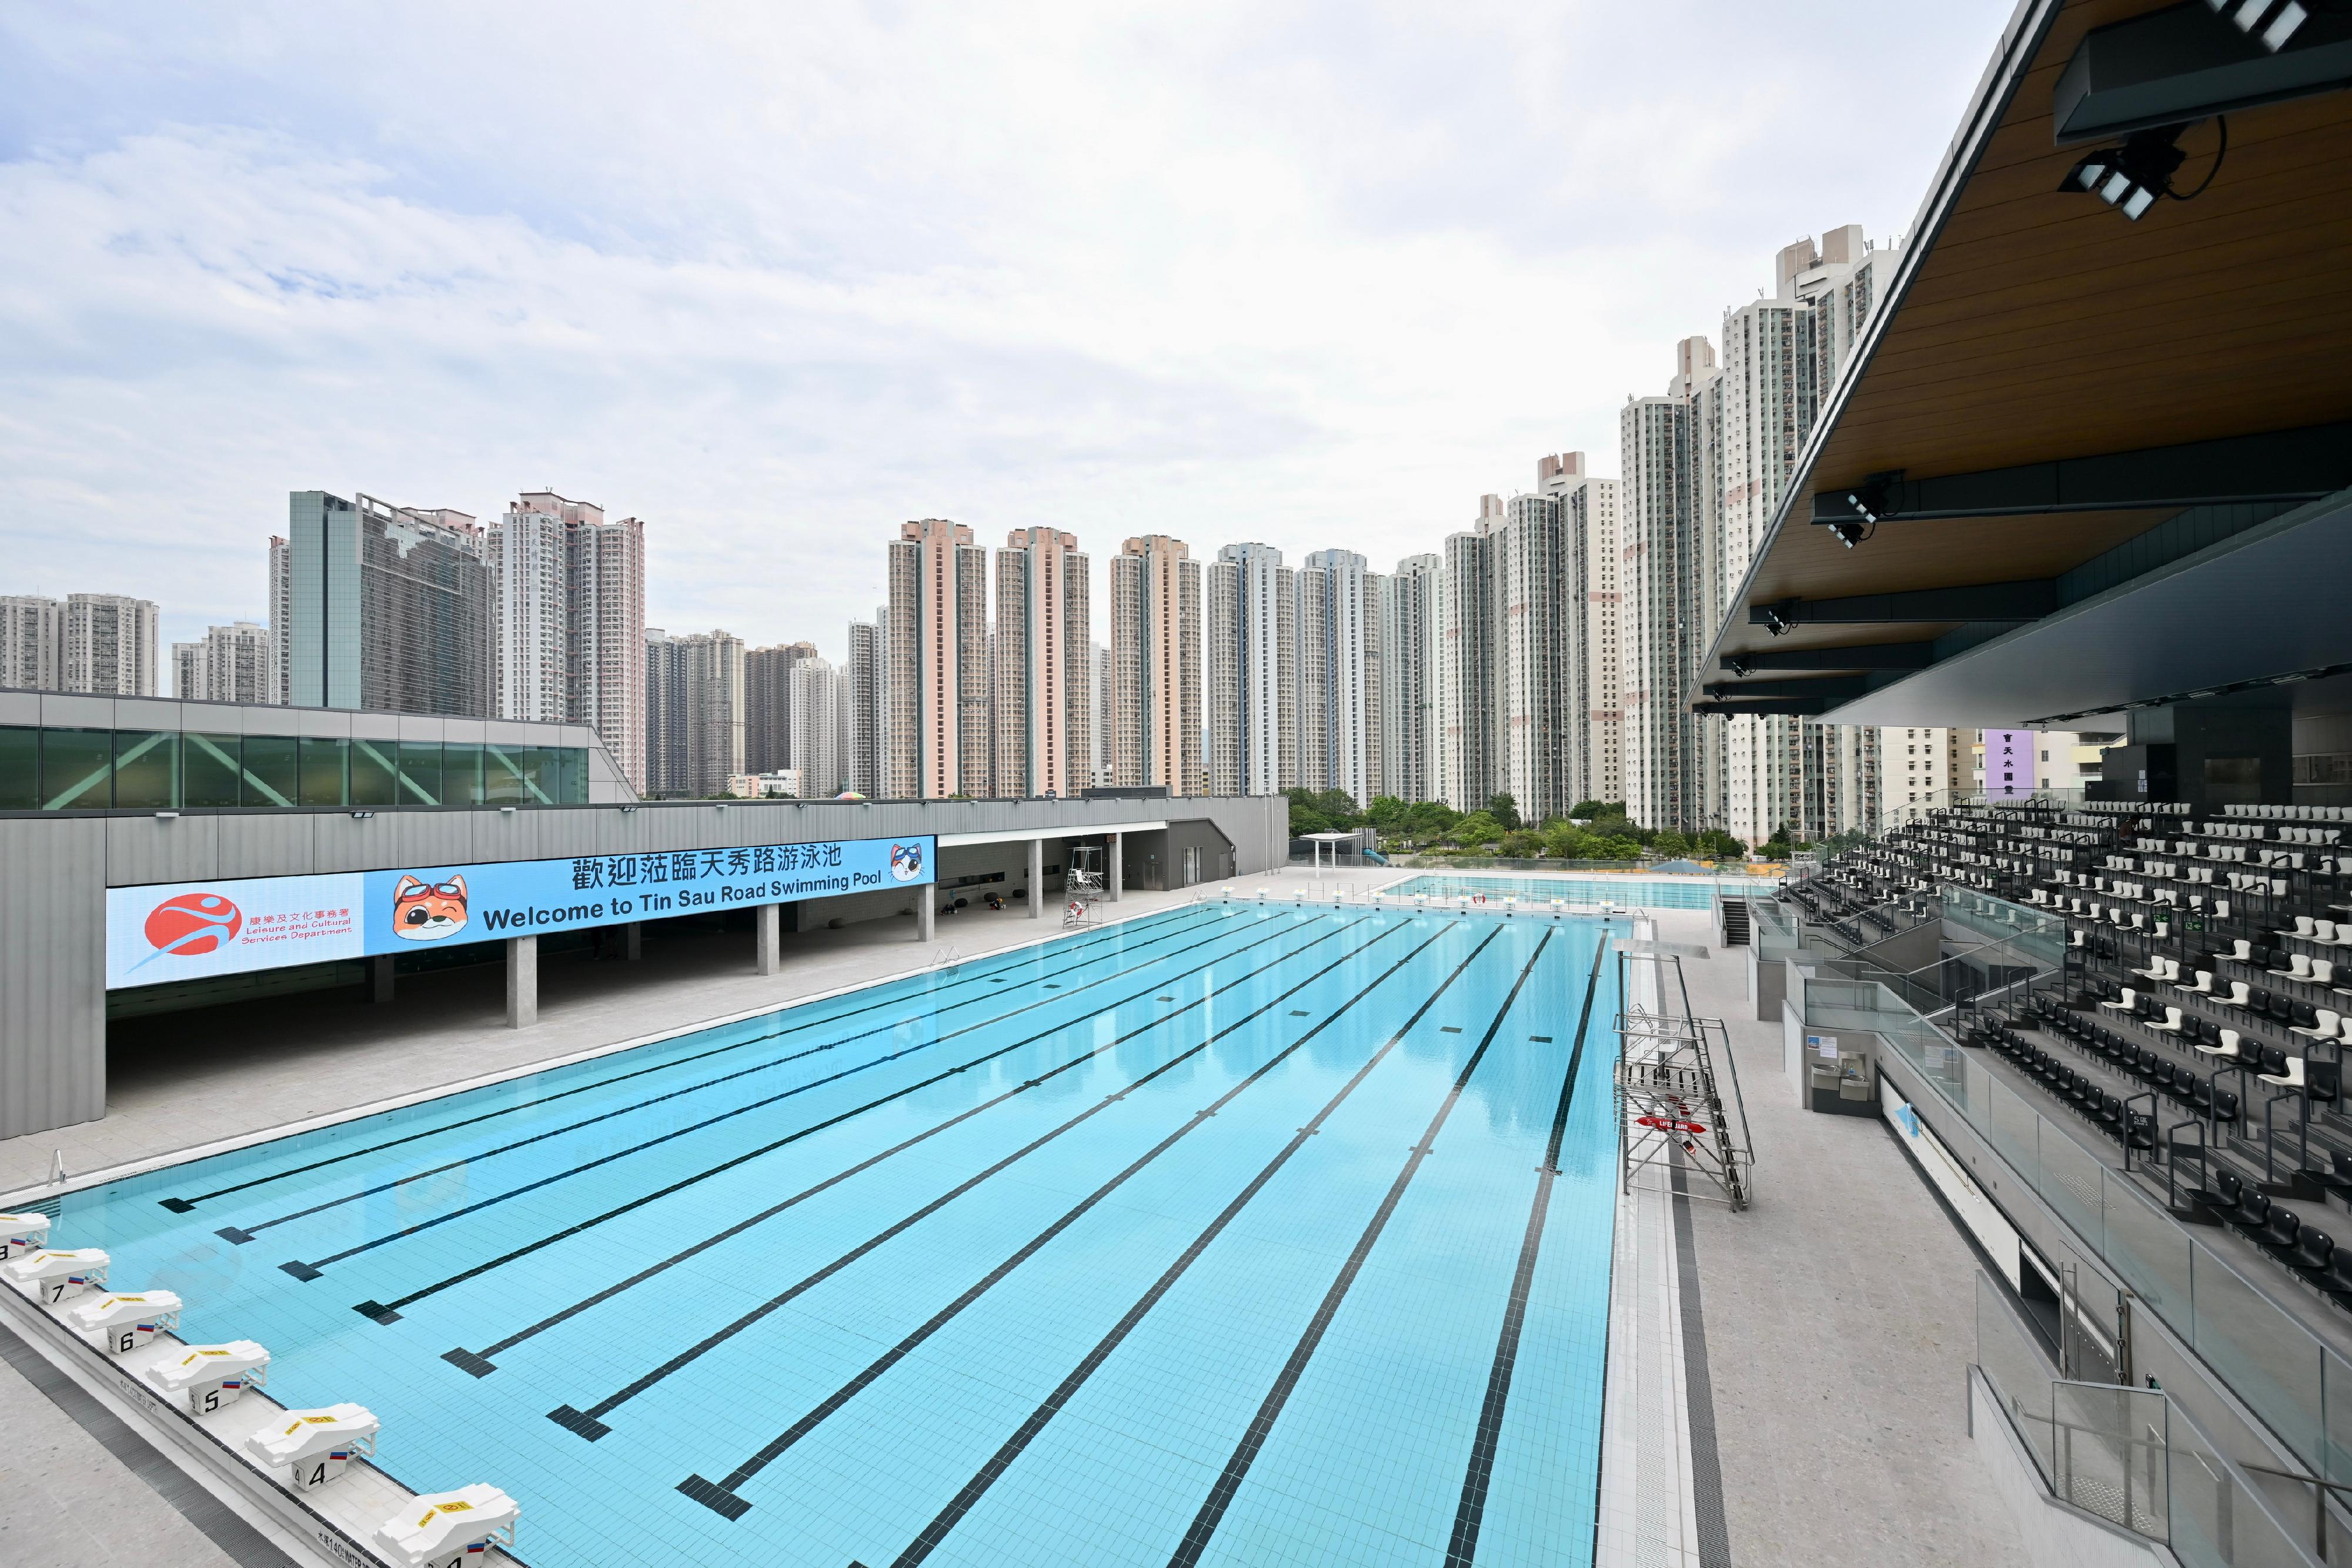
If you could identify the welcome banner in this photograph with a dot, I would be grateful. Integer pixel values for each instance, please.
(180, 931)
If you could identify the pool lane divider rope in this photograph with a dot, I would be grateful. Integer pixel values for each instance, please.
(314, 1269)
(1470, 1511)
(1229, 1480)
(721, 1497)
(479, 1364)
(991, 976)
(928, 1538)
(590, 1423)
(241, 1235)
(389, 1312)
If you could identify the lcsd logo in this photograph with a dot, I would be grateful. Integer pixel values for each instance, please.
(191, 924)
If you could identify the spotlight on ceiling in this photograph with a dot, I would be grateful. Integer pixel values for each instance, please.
(1737, 666)
(1849, 533)
(2132, 177)
(1776, 624)
(2266, 21)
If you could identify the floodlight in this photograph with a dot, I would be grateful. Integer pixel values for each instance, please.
(2267, 21)
(1849, 533)
(2131, 177)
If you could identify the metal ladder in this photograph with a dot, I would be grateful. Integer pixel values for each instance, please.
(1671, 1111)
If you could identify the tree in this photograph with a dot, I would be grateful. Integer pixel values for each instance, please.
(1521, 844)
(1426, 822)
(1716, 844)
(1387, 814)
(1585, 810)
(1671, 843)
(1477, 829)
(1505, 809)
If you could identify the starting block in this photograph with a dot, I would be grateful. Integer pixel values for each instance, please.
(22, 1233)
(52, 1277)
(449, 1528)
(123, 1323)
(213, 1376)
(315, 1445)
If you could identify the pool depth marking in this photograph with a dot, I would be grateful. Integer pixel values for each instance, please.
(479, 1364)
(589, 1423)
(389, 1312)
(241, 1235)
(927, 1539)
(1470, 1513)
(314, 1269)
(187, 1205)
(1229, 1480)
(721, 1497)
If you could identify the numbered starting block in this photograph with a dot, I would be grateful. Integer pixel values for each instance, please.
(212, 1376)
(449, 1528)
(315, 1445)
(22, 1233)
(53, 1277)
(123, 1323)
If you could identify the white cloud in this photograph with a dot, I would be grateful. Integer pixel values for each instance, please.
(775, 279)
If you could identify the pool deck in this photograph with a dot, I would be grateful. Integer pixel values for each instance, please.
(1834, 1318)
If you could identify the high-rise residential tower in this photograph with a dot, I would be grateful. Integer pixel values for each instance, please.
(1410, 612)
(568, 623)
(1589, 516)
(1668, 561)
(866, 681)
(1153, 693)
(1538, 747)
(111, 646)
(1467, 642)
(694, 713)
(1340, 674)
(1044, 640)
(389, 608)
(820, 699)
(232, 663)
(281, 616)
(1253, 725)
(768, 706)
(32, 641)
(940, 738)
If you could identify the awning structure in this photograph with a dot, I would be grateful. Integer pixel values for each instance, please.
(1017, 835)
(2082, 461)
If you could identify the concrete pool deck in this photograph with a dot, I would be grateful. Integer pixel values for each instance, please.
(1833, 1362)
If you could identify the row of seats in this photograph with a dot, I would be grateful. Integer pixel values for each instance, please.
(2292, 813)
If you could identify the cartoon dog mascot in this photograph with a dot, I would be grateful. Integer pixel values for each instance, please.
(426, 912)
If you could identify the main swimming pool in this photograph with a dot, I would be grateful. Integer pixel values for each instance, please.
(1626, 892)
(1231, 1235)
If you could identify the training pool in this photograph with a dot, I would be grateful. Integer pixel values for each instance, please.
(1631, 892)
(1230, 1235)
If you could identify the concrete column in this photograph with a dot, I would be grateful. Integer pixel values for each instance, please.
(927, 913)
(1036, 879)
(1118, 865)
(633, 940)
(771, 951)
(522, 981)
(380, 976)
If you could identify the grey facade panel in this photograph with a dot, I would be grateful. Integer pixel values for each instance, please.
(256, 721)
(20, 707)
(160, 849)
(52, 974)
(421, 838)
(67, 712)
(266, 844)
(147, 712)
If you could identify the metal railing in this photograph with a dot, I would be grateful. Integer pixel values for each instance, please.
(2133, 1457)
(2299, 1385)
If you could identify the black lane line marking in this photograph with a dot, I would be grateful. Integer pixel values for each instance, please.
(389, 1312)
(479, 1364)
(236, 1234)
(927, 1539)
(312, 1270)
(241, 1235)
(590, 1424)
(720, 1496)
(1470, 1513)
(1229, 1480)
(186, 1205)
(1706, 1463)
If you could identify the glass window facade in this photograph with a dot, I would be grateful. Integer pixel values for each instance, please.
(61, 770)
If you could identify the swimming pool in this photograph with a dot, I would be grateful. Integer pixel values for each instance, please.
(1224, 1236)
(1628, 892)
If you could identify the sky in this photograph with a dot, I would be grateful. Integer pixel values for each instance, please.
(777, 278)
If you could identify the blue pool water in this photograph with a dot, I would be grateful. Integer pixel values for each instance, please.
(1628, 891)
(1226, 1236)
